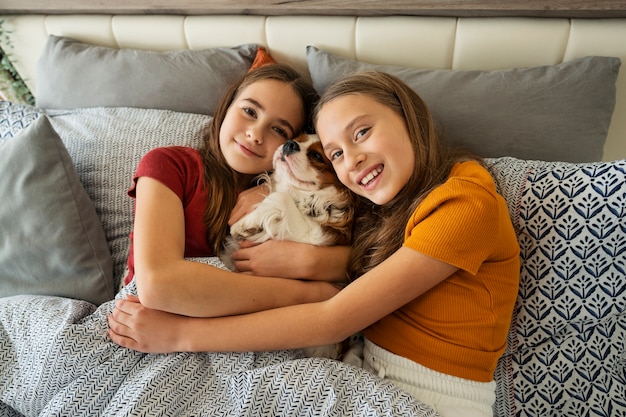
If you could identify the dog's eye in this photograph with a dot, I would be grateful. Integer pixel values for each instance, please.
(316, 156)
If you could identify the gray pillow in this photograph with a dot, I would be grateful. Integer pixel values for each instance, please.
(52, 240)
(106, 145)
(550, 113)
(72, 74)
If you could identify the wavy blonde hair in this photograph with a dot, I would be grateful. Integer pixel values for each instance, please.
(379, 230)
(222, 182)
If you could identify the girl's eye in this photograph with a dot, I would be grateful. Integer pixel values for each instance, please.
(361, 133)
(249, 111)
(334, 155)
(282, 132)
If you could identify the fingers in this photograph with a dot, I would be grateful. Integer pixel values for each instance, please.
(254, 258)
(243, 253)
(129, 305)
(117, 332)
(119, 322)
(235, 215)
(241, 257)
(246, 201)
(245, 244)
(242, 207)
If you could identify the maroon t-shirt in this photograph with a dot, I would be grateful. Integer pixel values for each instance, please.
(181, 170)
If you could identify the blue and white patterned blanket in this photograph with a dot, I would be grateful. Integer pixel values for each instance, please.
(56, 359)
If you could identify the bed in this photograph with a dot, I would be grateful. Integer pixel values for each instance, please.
(535, 87)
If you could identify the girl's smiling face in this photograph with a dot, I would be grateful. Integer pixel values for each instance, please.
(368, 144)
(262, 117)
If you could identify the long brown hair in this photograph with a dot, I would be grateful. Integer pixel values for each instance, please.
(222, 182)
(379, 230)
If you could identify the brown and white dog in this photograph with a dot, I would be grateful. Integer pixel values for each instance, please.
(306, 202)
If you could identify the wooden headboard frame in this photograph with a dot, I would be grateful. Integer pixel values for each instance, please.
(598, 27)
(460, 8)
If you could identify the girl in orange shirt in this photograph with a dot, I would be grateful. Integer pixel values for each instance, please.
(436, 258)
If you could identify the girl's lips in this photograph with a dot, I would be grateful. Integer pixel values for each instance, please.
(368, 176)
(245, 150)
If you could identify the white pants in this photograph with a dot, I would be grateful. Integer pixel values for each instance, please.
(449, 395)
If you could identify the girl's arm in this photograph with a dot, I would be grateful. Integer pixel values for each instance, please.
(401, 278)
(166, 281)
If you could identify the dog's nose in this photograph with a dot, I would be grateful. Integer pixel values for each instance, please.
(291, 146)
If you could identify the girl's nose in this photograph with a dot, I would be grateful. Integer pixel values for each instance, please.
(353, 159)
(255, 133)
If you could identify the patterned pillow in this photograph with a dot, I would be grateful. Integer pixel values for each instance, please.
(14, 118)
(106, 144)
(566, 348)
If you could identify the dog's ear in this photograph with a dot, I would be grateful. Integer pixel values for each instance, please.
(341, 217)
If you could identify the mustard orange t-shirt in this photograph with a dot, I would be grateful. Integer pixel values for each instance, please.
(459, 327)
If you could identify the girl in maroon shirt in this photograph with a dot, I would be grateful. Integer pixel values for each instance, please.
(184, 199)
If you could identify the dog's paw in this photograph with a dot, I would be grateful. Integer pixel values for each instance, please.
(245, 233)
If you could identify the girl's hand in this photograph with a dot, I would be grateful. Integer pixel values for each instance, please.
(246, 201)
(140, 328)
(287, 259)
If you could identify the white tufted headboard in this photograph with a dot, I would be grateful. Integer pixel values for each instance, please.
(422, 41)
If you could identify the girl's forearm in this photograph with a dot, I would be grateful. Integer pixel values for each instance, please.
(200, 290)
(294, 327)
